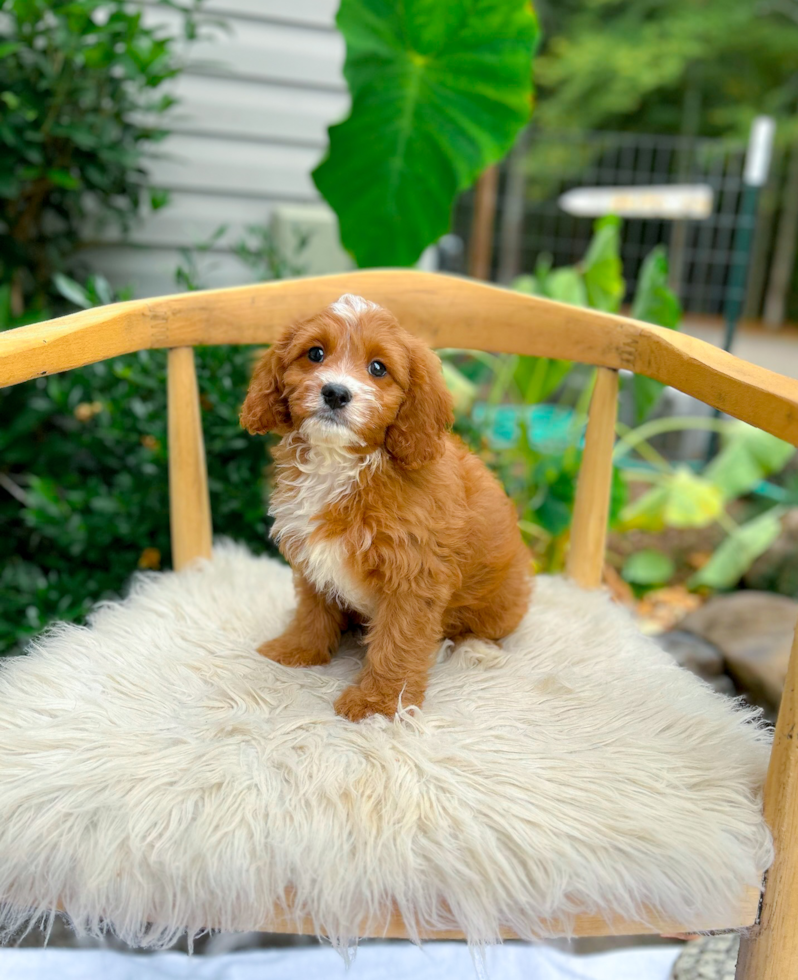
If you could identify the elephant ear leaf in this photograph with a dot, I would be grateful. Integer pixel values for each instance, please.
(738, 552)
(654, 302)
(439, 92)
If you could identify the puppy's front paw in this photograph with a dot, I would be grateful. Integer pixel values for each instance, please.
(285, 650)
(356, 705)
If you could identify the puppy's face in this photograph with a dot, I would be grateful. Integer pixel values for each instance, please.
(351, 377)
(345, 373)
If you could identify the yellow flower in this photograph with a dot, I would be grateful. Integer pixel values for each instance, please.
(86, 411)
(150, 558)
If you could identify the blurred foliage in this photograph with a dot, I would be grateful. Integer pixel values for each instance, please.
(439, 92)
(597, 281)
(539, 468)
(739, 551)
(747, 459)
(83, 467)
(648, 568)
(260, 251)
(81, 104)
(681, 498)
(674, 66)
(536, 448)
(694, 68)
(84, 489)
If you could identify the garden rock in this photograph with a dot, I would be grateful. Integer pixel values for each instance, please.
(754, 632)
(777, 569)
(708, 958)
(692, 652)
(699, 656)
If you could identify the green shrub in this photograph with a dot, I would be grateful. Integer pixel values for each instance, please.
(84, 489)
(81, 105)
(83, 461)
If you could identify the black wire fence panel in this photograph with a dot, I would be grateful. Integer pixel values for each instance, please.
(530, 222)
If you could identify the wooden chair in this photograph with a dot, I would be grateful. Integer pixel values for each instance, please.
(452, 312)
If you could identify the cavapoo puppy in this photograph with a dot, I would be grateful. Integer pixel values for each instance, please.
(386, 518)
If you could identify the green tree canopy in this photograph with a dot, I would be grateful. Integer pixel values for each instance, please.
(663, 66)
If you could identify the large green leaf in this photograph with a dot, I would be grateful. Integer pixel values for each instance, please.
(527, 284)
(539, 377)
(71, 290)
(654, 302)
(648, 567)
(681, 499)
(602, 268)
(545, 378)
(738, 552)
(646, 393)
(439, 92)
(566, 285)
(748, 456)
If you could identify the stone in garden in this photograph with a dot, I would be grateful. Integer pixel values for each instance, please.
(699, 656)
(692, 652)
(754, 632)
(708, 958)
(723, 684)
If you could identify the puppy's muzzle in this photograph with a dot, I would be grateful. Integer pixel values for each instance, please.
(336, 396)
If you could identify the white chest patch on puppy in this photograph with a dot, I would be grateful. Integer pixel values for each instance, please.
(324, 564)
(316, 478)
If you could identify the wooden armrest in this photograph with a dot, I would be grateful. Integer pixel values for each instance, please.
(445, 310)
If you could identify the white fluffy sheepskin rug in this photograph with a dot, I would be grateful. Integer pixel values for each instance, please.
(157, 775)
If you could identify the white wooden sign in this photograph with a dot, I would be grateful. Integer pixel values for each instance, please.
(668, 201)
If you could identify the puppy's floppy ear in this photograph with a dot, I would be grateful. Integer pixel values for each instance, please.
(265, 408)
(417, 435)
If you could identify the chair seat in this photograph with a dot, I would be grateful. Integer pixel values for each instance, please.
(157, 775)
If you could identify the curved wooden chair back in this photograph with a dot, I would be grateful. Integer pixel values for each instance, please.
(455, 312)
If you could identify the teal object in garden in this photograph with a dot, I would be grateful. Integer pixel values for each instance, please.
(550, 428)
(500, 424)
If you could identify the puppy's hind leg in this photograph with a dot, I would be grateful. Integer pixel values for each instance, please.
(313, 634)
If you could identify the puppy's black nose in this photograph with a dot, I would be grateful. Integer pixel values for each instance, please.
(336, 396)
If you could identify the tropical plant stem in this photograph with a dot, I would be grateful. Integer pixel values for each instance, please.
(659, 426)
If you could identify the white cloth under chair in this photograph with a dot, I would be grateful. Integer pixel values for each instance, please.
(398, 961)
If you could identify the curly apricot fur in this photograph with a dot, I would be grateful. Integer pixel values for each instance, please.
(421, 545)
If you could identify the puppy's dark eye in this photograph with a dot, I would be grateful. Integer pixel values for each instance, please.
(316, 354)
(377, 369)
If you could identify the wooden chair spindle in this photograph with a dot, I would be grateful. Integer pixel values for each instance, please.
(189, 502)
(592, 504)
(770, 950)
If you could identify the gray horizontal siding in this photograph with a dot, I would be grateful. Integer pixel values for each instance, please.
(309, 13)
(254, 106)
(192, 218)
(256, 110)
(208, 164)
(128, 265)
